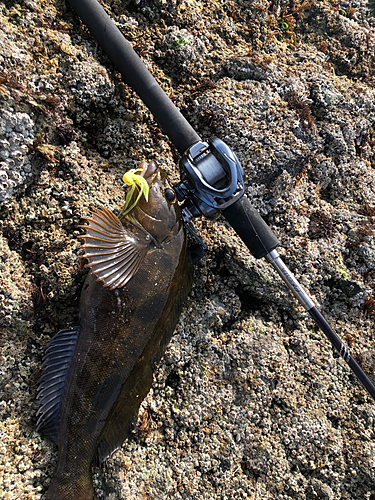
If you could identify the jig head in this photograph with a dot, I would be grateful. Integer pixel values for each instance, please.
(132, 179)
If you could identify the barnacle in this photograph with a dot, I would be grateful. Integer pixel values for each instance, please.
(134, 180)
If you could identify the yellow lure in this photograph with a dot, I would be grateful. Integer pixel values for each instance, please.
(132, 179)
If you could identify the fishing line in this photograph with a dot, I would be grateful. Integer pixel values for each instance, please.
(211, 175)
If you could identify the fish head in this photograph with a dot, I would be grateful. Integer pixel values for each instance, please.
(158, 213)
(115, 247)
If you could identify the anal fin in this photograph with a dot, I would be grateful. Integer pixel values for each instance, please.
(124, 413)
(56, 364)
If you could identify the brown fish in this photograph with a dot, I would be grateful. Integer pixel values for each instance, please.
(96, 375)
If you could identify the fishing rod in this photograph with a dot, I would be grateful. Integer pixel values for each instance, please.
(211, 175)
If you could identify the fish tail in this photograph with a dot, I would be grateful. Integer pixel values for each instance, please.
(66, 488)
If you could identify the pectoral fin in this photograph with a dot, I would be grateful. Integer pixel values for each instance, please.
(114, 253)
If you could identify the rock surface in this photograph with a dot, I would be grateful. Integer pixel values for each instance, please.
(249, 401)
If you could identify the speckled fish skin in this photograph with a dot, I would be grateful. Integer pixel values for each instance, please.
(123, 334)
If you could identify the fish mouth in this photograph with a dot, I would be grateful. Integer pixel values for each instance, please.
(148, 169)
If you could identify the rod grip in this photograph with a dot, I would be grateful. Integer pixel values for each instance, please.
(135, 73)
(251, 228)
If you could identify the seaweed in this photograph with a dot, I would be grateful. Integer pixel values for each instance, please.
(301, 108)
(321, 225)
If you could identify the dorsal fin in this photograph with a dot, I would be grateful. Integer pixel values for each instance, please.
(113, 252)
(56, 364)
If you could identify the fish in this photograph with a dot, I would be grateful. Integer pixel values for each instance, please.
(95, 375)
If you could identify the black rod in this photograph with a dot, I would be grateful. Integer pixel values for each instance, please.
(245, 220)
(135, 73)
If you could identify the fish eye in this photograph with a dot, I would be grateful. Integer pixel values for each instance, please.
(170, 195)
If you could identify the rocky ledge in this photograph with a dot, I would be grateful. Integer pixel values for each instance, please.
(250, 401)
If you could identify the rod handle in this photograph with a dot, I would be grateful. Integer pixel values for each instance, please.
(135, 73)
(251, 228)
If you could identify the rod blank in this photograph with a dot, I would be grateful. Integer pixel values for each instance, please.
(303, 297)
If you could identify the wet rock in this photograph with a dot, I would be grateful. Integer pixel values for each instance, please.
(16, 134)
